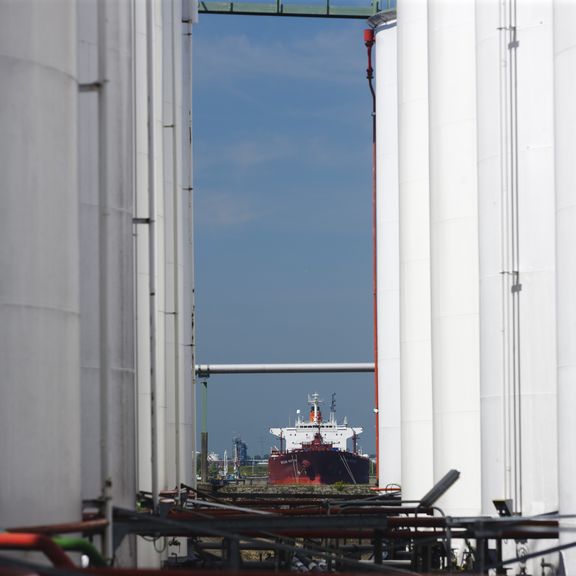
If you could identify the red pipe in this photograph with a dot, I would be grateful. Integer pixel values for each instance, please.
(85, 527)
(369, 42)
(36, 542)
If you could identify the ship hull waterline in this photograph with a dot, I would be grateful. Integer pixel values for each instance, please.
(318, 467)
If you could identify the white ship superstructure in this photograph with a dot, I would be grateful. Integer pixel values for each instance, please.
(304, 431)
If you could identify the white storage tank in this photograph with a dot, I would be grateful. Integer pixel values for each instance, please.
(387, 254)
(107, 158)
(565, 152)
(454, 251)
(414, 244)
(39, 265)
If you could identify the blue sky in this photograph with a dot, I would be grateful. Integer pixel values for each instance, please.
(282, 161)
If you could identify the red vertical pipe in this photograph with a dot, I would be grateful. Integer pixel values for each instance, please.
(369, 40)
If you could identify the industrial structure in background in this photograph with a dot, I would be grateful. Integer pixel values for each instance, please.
(475, 276)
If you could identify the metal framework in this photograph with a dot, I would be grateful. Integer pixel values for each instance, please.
(349, 533)
(313, 10)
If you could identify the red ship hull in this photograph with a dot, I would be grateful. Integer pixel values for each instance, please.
(318, 467)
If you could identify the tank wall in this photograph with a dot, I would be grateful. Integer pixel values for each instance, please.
(88, 142)
(141, 243)
(39, 308)
(147, 555)
(174, 256)
(414, 204)
(112, 272)
(188, 436)
(565, 152)
(454, 251)
(492, 202)
(387, 251)
(173, 262)
(537, 257)
(162, 228)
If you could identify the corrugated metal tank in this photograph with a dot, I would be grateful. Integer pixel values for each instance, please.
(414, 202)
(39, 263)
(387, 253)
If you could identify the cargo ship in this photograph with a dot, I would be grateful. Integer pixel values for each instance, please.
(315, 452)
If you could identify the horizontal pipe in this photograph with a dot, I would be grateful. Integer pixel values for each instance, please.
(342, 525)
(228, 508)
(85, 527)
(206, 370)
(36, 542)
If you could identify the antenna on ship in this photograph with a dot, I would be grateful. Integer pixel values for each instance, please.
(333, 408)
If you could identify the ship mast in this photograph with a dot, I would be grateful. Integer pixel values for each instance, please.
(333, 409)
(315, 414)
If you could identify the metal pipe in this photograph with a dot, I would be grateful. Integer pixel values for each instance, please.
(205, 370)
(152, 243)
(369, 43)
(204, 433)
(36, 542)
(85, 527)
(80, 545)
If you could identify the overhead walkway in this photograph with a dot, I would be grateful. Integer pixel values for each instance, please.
(328, 9)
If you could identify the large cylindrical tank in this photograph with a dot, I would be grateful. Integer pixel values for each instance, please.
(188, 430)
(454, 251)
(178, 372)
(148, 80)
(414, 202)
(162, 232)
(516, 176)
(39, 265)
(565, 152)
(387, 253)
(141, 246)
(536, 241)
(107, 153)
(493, 219)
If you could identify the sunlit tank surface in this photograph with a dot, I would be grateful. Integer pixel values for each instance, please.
(39, 260)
